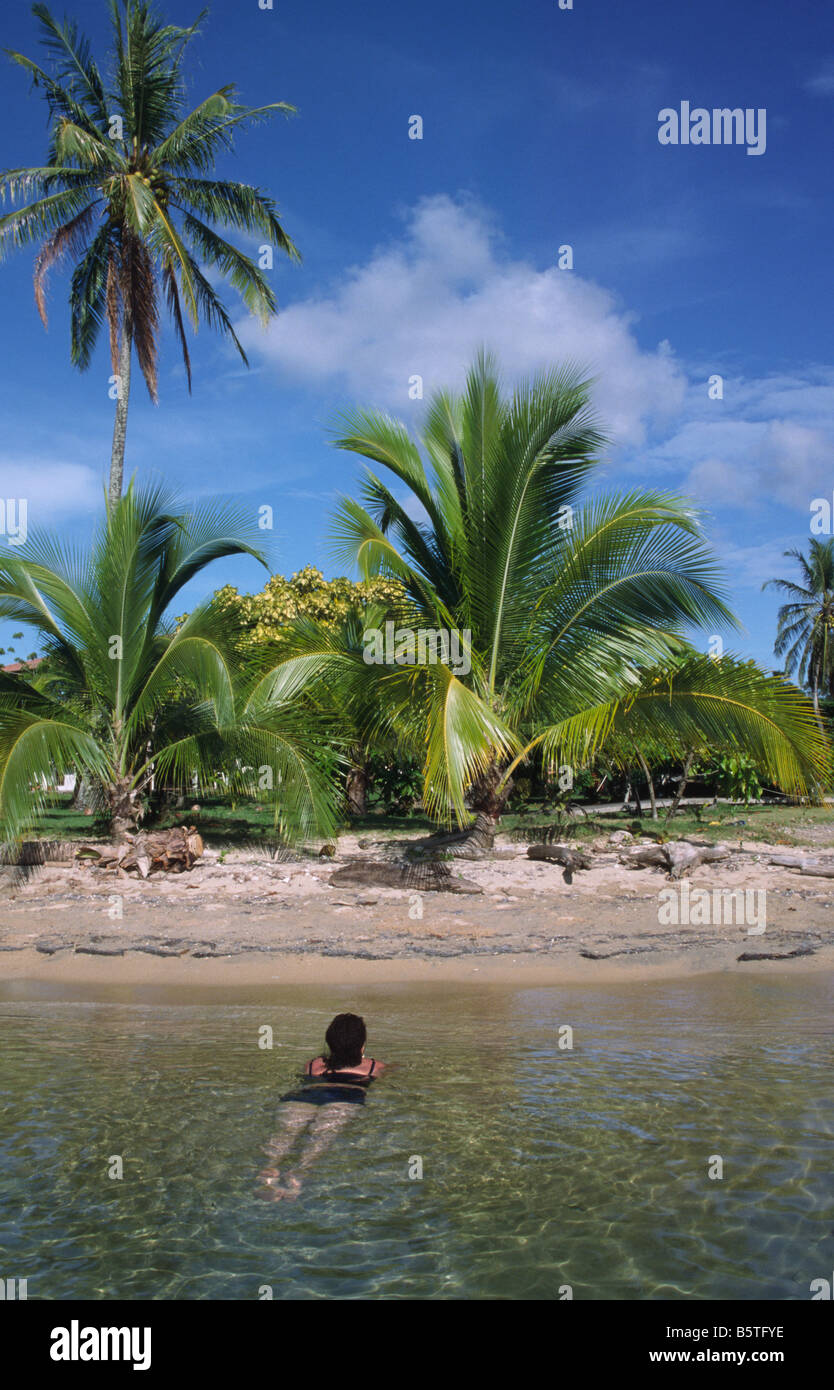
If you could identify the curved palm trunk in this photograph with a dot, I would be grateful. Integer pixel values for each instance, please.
(89, 794)
(117, 454)
(647, 773)
(678, 797)
(489, 795)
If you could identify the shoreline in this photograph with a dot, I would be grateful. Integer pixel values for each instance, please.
(28, 972)
(242, 922)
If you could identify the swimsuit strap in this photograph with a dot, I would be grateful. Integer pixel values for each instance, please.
(308, 1071)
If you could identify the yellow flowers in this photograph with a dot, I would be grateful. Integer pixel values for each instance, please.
(306, 594)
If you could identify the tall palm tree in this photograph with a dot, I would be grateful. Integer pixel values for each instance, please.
(574, 609)
(805, 626)
(127, 694)
(128, 191)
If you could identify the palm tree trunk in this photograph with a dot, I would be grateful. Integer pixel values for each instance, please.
(488, 796)
(117, 455)
(123, 807)
(650, 781)
(632, 790)
(687, 768)
(89, 795)
(817, 710)
(356, 790)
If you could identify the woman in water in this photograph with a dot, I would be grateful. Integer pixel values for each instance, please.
(317, 1110)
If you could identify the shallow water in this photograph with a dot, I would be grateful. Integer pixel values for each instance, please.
(544, 1168)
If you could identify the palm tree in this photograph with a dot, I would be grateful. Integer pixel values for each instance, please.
(355, 710)
(126, 693)
(805, 626)
(128, 192)
(573, 609)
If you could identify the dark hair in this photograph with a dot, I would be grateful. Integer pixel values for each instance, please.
(345, 1038)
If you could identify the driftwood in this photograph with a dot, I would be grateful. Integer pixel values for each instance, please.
(419, 878)
(683, 857)
(809, 865)
(172, 851)
(644, 857)
(678, 857)
(772, 955)
(571, 859)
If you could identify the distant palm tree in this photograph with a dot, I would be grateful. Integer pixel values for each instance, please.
(127, 191)
(573, 607)
(805, 631)
(127, 695)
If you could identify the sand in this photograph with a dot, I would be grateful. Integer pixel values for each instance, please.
(250, 919)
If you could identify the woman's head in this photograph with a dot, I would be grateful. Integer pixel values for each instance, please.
(345, 1039)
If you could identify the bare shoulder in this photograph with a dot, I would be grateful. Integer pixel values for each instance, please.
(316, 1066)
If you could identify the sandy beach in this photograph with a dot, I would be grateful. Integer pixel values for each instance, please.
(248, 920)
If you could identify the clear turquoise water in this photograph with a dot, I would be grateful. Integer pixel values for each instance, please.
(543, 1167)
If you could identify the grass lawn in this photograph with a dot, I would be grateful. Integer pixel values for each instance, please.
(221, 822)
(789, 825)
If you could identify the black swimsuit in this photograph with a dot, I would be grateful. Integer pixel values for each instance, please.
(330, 1087)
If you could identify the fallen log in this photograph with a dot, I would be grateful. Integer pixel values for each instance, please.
(677, 857)
(420, 878)
(644, 857)
(682, 856)
(169, 851)
(809, 865)
(571, 859)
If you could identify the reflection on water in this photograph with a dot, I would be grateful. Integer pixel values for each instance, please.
(543, 1167)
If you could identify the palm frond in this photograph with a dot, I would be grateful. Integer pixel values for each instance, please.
(72, 237)
(234, 205)
(239, 269)
(43, 217)
(208, 130)
(76, 70)
(707, 706)
(32, 749)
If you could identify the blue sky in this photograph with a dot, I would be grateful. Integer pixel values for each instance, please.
(540, 129)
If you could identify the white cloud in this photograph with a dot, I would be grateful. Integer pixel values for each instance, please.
(51, 489)
(769, 440)
(822, 83)
(424, 304)
(748, 566)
